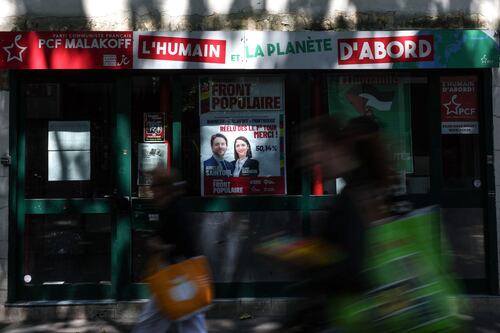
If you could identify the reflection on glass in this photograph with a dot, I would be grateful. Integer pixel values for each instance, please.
(464, 233)
(61, 249)
(228, 240)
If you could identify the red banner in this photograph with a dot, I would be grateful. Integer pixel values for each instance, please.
(244, 185)
(385, 50)
(182, 49)
(66, 50)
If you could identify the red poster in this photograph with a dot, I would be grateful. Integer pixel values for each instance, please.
(66, 50)
(459, 112)
(154, 127)
(379, 50)
(182, 49)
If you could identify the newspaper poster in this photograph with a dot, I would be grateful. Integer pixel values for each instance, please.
(151, 155)
(242, 136)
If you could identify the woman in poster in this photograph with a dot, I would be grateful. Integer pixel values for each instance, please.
(244, 165)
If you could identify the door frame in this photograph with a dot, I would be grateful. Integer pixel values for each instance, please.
(117, 205)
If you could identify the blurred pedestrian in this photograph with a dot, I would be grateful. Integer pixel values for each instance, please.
(173, 243)
(357, 155)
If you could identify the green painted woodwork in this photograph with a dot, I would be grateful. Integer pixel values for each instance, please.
(63, 206)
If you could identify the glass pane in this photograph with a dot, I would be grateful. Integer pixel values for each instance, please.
(68, 140)
(228, 240)
(464, 230)
(461, 162)
(62, 249)
(401, 105)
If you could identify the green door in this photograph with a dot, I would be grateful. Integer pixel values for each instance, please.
(71, 186)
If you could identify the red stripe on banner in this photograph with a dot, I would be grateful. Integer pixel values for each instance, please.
(66, 50)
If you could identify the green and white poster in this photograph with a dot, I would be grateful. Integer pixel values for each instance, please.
(387, 99)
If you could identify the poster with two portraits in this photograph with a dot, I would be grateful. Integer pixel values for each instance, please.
(242, 135)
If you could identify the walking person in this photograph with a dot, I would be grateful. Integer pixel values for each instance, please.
(356, 154)
(174, 242)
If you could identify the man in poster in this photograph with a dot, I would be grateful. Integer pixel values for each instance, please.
(217, 165)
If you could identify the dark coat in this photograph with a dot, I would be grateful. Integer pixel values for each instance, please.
(173, 230)
(212, 163)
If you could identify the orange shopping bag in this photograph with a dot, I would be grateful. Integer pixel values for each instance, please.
(181, 289)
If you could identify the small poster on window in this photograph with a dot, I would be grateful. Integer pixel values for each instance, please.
(154, 127)
(242, 136)
(459, 113)
(151, 156)
(69, 151)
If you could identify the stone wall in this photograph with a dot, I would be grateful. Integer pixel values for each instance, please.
(284, 15)
(4, 185)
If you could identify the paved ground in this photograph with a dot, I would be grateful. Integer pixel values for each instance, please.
(261, 325)
(483, 323)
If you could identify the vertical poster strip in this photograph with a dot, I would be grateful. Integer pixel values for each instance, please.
(154, 127)
(383, 97)
(242, 136)
(459, 113)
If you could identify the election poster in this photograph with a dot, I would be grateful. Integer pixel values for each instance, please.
(387, 99)
(459, 112)
(154, 127)
(242, 135)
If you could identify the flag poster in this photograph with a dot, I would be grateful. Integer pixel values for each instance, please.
(242, 136)
(459, 112)
(387, 99)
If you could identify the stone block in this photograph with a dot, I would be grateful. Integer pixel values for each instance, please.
(223, 308)
(128, 312)
(4, 249)
(3, 274)
(256, 307)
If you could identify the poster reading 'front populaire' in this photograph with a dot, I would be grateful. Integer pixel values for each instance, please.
(242, 136)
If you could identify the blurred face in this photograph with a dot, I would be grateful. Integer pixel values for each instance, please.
(241, 148)
(219, 147)
(335, 160)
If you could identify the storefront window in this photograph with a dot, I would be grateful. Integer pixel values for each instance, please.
(68, 140)
(401, 105)
(62, 249)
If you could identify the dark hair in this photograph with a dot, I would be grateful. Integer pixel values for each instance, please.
(249, 151)
(217, 135)
(362, 136)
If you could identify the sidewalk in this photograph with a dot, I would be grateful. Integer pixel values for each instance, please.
(483, 323)
(259, 325)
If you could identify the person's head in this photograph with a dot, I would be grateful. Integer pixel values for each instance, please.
(242, 148)
(219, 144)
(339, 151)
(166, 185)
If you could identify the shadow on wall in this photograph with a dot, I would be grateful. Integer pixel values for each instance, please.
(253, 15)
(40, 15)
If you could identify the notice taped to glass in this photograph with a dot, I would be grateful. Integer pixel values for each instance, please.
(151, 156)
(242, 136)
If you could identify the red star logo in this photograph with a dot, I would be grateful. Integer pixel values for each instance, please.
(452, 106)
(14, 50)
